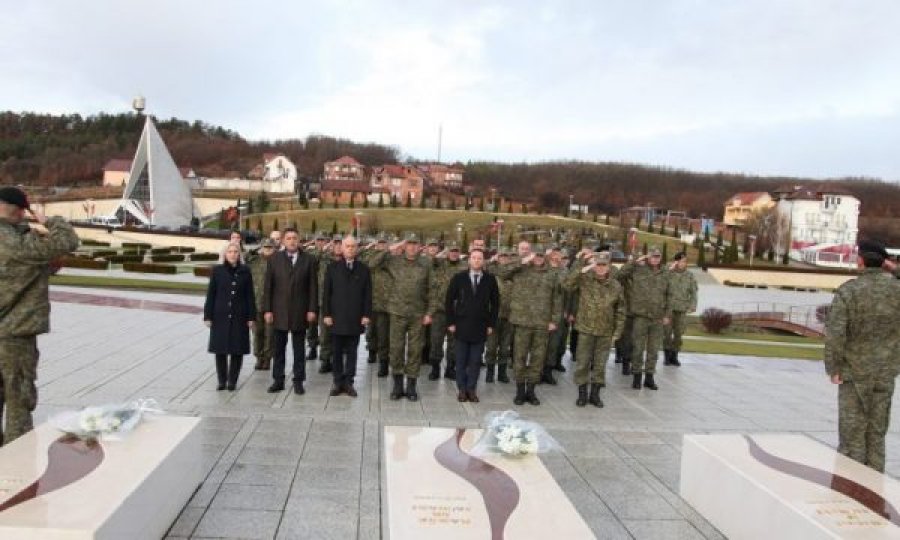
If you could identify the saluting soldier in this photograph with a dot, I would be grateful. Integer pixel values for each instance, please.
(862, 339)
(649, 305)
(408, 306)
(262, 332)
(535, 308)
(499, 343)
(599, 318)
(331, 253)
(682, 301)
(556, 346)
(317, 249)
(378, 331)
(446, 265)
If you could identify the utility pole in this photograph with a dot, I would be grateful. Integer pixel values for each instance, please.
(440, 140)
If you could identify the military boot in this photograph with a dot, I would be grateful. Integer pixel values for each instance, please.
(373, 357)
(595, 396)
(501, 373)
(489, 373)
(266, 363)
(547, 376)
(259, 363)
(675, 361)
(520, 394)
(636, 381)
(582, 396)
(649, 382)
(626, 367)
(450, 372)
(397, 392)
(382, 367)
(326, 367)
(559, 365)
(530, 396)
(667, 357)
(435, 371)
(411, 393)
(313, 353)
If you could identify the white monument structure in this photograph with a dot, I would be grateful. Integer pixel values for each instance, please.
(156, 194)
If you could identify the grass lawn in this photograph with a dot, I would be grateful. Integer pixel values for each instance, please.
(129, 284)
(750, 349)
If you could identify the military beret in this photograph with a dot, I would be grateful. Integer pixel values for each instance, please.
(14, 196)
(680, 255)
(870, 248)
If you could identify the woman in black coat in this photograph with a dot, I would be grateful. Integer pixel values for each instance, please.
(230, 312)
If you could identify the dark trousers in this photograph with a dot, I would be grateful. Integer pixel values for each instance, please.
(344, 347)
(299, 367)
(228, 371)
(468, 364)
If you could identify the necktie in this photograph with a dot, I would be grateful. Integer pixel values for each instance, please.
(350, 265)
(475, 283)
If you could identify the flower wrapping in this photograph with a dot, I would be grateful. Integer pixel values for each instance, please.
(105, 422)
(508, 434)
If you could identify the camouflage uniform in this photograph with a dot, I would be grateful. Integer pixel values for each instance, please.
(625, 344)
(682, 300)
(863, 335)
(556, 344)
(536, 302)
(649, 304)
(262, 332)
(24, 314)
(441, 273)
(325, 258)
(599, 319)
(499, 343)
(378, 332)
(408, 304)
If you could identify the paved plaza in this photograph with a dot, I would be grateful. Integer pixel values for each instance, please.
(287, 466)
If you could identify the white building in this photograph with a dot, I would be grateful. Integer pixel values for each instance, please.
(823, 216)
(276, 174)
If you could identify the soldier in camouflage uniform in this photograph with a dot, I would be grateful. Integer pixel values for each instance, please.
(556, 344)
(446, 265)
(408, 306)
(262, 332)
(499, 343)
(599, 318)
(624, 345)
(25, 259)
(862, 339)
(317, 249)
(682, 300)
(649, 283)
(378, 331)
(535, 308)
(325, 257)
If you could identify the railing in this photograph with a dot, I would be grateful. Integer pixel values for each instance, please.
(799, 315)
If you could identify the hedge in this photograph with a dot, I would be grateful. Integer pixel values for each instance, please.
(103, 253)
(78, 262)
(161, 251)
(167, 258)
(184, 249)
(150, 268)
(139, 245)
(203, 271)
(89, 242)
(204, 257)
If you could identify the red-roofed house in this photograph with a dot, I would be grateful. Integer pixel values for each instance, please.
(344, 168)
(816, 215)
(440, 176)
(116, 171)
(741, 206)
(399, 181)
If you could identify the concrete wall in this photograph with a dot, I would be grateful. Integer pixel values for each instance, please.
(117, 236)
(779, 279)
(104, 207)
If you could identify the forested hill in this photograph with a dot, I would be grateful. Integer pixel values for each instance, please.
(50, 150)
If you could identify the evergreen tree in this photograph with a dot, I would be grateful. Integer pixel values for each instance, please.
(422, 201)
(437, 202)
(481, 204)
(334, 228)
(305, 203)
(335, 202)
(645, 250)
(785, 258)
(650, 226)
(259, 225)
(352, 199)
(381, 200)
(665, 252)
(275, 226)
(606, 219)
(770, 255)
(409, 200)
(718, 252)
(701, 257)
(365, 200)
(393, 201)
(662, 228)
(676, 233)
(524, 208)
(625, 241)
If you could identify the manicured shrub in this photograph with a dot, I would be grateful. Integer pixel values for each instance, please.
(167, 257)
(204, 257)
(150, 268)
(202, 271)
(80, 262)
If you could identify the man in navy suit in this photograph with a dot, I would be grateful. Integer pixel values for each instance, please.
(473, 306)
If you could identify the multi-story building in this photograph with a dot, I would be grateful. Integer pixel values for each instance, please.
(440, 176)
(398, 181)
(276, 174)
(117, 171)
(817, 220)
(345, 169)
(741, 206)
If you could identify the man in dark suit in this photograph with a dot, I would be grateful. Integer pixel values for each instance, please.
(473, 306)
(290, 302)
(346, 311)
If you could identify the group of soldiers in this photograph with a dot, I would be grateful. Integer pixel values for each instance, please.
(549, 298)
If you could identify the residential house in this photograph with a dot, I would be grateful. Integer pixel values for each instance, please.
(400, 181)
(117, 171)
(344, 169)
(741, 206)
(440, 176)
(817, 219)
(275, 174)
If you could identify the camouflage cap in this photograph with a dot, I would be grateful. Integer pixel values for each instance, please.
(538, 250)
(320, 236)
(267, 243)
(451, 246)
(432, 242)
(14, 196)
(680, 255)
(654, 252)
(602, 257)
(872, 249)
(336, 238)
(412, 238)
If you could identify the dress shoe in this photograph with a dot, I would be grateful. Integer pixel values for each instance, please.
(335, 390)
(547, 376)
(298, 389)
(636, 381)
(649, 382)
(675, 361)
(349, 390)
(450, 373)
(230, 387)
(626, 368)
(372, 358)
(276, 387)
(220, 387)
(326, 367)
(473, 397)
(462, 397)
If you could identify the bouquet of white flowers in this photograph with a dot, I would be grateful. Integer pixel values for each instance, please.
(106, 422)
(508, 434)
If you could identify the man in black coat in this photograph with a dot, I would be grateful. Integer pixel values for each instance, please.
(473, 306)
(290, 302)
(346, 311)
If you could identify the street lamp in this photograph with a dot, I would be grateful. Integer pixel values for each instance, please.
(752, 247)
(499, 232)
(357, 223)
(459, 229)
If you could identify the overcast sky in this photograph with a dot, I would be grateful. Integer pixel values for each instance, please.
(796, 87)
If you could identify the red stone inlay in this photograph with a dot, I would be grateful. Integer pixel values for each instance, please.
(69, 459)
(127, 303)
(858, 492)
(499, 491)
